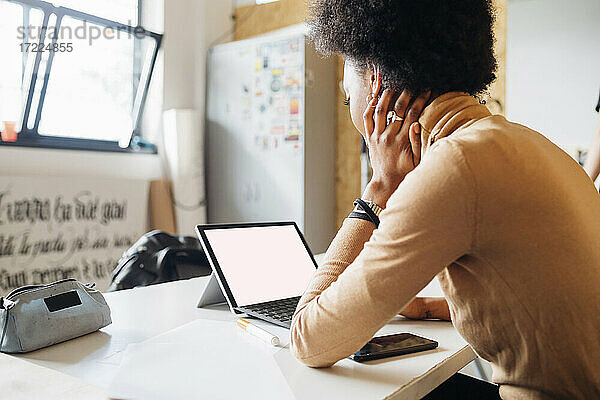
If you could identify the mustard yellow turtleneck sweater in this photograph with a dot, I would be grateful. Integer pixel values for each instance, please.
(509, 223)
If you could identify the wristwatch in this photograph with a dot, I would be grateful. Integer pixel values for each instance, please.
(367, 210)
(376, 209)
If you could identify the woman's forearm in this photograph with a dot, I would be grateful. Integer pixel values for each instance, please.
(346, 246)
(342, 251)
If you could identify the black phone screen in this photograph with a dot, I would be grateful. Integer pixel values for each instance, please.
(393, 345)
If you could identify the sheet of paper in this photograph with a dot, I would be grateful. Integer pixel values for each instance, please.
(181, 364)
(22, 380)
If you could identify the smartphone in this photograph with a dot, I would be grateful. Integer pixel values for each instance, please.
(393, 345)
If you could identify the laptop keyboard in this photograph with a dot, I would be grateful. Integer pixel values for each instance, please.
(279, 312)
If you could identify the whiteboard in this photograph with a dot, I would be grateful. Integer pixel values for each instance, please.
(255, 130)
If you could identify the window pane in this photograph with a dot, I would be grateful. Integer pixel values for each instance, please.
(92, 89)
(123, 11)
(11, 77)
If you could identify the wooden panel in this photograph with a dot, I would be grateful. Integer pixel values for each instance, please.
(253, 20)
(347, 160)
(162, 213)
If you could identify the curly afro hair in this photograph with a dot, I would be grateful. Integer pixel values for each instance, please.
(418, 45)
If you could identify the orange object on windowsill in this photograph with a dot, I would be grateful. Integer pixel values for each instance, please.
(9, 133)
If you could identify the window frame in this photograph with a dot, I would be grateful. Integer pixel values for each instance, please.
(30, 137)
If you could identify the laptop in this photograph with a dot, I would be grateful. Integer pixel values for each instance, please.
(262, 269)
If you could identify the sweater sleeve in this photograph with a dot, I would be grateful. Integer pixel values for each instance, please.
(429, 223)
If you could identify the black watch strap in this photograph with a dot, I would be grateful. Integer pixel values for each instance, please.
(359, 215)
(371, 216)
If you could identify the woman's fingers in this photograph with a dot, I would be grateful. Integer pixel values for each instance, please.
(427, 308)
(402, 103)
(381, 111)
(415, 309)
(417, 107)
(415, 142)
(368, 119)
(413, 113)
(405, 127)
(400, 107)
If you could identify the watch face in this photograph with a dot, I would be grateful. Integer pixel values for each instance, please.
(374, 207)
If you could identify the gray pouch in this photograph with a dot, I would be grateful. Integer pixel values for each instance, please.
(32, 317)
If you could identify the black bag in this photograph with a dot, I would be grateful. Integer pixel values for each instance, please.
(158, 257)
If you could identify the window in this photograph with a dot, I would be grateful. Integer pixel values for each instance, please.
(72, 79)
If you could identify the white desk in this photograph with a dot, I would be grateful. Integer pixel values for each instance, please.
(145, 313)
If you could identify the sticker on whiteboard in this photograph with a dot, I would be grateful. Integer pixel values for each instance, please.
(277, 130)
(294, 45)
(294, 106)
(292, 78)
(265, 49)
(276, 85)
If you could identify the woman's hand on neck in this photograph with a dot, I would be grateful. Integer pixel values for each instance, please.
(393, 136)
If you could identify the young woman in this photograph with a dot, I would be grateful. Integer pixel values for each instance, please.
(508, 222)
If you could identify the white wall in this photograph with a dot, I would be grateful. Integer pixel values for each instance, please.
(48, 162)
(190, 27)
(553, 68)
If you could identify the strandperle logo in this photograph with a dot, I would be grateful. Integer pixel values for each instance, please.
(83, 31)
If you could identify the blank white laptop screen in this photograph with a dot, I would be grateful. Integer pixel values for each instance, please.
(262, 263)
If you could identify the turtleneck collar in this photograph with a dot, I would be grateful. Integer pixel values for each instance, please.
(448, 113)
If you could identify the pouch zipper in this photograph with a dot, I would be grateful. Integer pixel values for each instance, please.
(26, 289)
